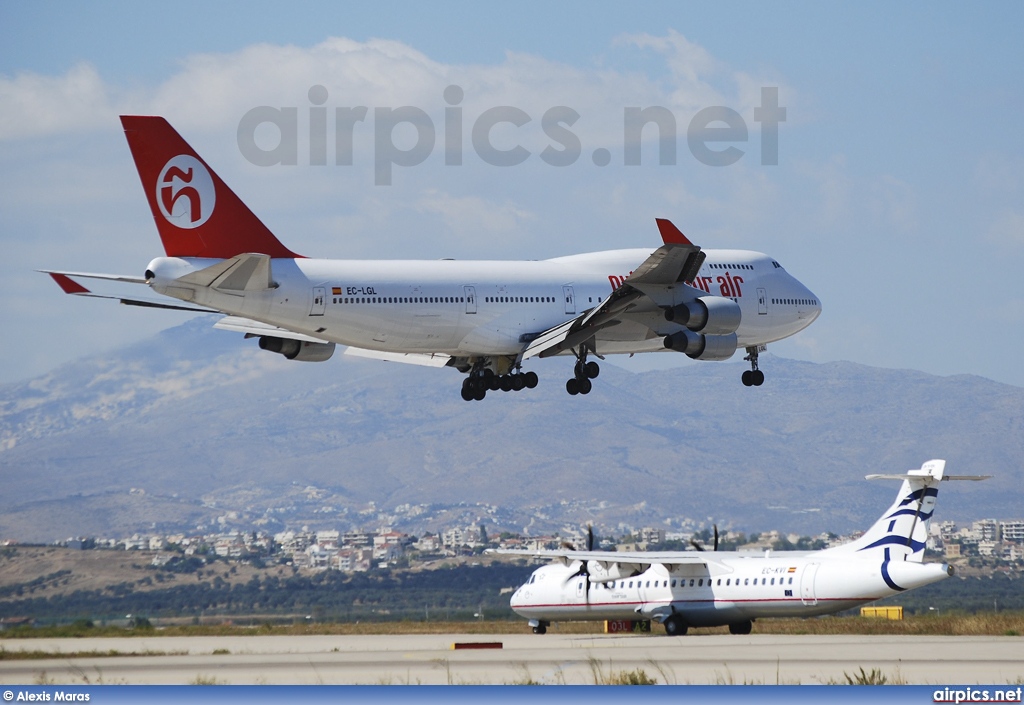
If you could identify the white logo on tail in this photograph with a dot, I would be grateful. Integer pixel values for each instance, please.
(185, 192)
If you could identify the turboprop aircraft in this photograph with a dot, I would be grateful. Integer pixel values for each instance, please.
(683, 589)
(483, 318)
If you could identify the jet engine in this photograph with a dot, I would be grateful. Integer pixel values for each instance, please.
(711, 315)
(301, 350)
(702, 347)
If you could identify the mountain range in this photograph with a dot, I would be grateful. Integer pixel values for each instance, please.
(197, 427)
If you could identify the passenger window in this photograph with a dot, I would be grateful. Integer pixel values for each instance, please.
(728, 582)
(691, 582)
(746, 581)
(773, 581)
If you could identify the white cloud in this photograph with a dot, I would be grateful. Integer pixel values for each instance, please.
(472, 216)
(213, 91)
(35, 105)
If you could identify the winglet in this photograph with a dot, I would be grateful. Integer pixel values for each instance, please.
(69, 285)
(670, 233)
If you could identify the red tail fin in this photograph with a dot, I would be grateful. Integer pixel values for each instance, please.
(196, 214)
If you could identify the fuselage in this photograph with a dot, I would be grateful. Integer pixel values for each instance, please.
(489, 307)
(728, 589)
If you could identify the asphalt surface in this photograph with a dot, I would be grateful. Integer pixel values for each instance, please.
(552, 658)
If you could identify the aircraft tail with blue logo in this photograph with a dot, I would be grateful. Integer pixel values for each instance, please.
(902, 532)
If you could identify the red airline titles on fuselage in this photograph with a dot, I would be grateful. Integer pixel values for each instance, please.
(728, 284)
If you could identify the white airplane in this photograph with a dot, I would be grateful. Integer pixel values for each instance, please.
(683, 589)
(484, 318)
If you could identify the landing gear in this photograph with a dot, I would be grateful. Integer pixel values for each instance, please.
(675, 626)
(482, 380)
(752, 377)
(540, 628)
(741, 627)
(583, 372)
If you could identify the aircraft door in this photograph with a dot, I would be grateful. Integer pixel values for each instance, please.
(762, 302)
(319, 304)
(470, 299)
(570, 299)
(807, 595)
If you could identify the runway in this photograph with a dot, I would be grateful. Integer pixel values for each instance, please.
(553, 659)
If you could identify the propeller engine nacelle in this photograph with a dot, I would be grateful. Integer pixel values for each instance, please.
(301, 350)
(702, 347)
(601, 572)
(710, 315)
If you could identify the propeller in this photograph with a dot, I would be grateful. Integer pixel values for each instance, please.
(696, 545)
(583, 570)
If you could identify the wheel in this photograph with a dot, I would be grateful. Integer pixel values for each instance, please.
(746, 378)
(540, 629)
(488, 373)
(493, 382)
(572, 386)
(675, 627)
(506, 383)
(467, 393)
(741, 627)
(584, 386)
(757, 378)
(593, 370)
(518, 383)
(480, 394)
(531, 380)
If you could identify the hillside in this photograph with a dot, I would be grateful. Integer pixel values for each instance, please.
(197, 424)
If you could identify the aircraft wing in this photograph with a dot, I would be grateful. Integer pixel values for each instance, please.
(615, 564)
(253, 329)
(423, 359)
(632, 310)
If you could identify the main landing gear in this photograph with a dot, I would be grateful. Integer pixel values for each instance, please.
(752, 377)
(479, 382)
(741, 627)
(675, 626)
(582, 374)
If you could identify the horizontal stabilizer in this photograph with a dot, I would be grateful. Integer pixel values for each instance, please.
(920, 478)
(248, 272)
(67, 281)
(64, 279)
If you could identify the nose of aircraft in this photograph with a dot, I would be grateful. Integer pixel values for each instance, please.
(811, 308)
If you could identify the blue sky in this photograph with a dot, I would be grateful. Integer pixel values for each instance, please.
(898, 197)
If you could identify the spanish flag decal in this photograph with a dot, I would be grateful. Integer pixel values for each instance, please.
(336, 291)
